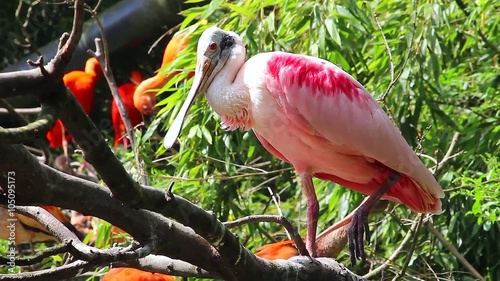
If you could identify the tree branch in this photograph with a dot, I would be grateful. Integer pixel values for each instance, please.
(59, 273)
(454, 251)
(39, 256)
(282, 220)
(165, 265)
(35, 130)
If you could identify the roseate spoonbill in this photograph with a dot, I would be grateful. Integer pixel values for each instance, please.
(310, 113)
(144, 98)
(126, 92)
(82, 85)
(329, 243)
(132, 274)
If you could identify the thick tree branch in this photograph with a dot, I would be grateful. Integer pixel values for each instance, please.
(76, 247)
(165, 265)
(38, 184)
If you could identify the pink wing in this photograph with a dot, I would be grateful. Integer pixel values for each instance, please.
(318, 95)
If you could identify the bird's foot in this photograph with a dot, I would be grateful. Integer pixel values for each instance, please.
(358, 229)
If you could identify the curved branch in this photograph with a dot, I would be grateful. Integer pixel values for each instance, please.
(282, 220)
(39, 256)
(35, 130)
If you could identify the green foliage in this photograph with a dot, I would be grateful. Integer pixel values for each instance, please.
(444, 80)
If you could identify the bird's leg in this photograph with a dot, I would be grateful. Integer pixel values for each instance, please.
(359, 226)
(312, 213)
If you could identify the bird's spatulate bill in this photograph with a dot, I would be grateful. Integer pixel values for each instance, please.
(175, 130)
(202, 78)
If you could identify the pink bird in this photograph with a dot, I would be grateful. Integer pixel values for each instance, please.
(310, 113)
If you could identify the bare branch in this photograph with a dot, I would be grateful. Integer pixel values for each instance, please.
(454, 251)
(34, 130)
(447, 156)
(101, 54)
(14, 112)
(282, 220)
(39, 256)
(414, 229)
(11, 110)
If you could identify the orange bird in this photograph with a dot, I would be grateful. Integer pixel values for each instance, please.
(82, 85)
(132, 274)
(126, 92)
(28, 230)
(144, 99)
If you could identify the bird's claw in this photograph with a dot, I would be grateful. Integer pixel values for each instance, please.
(357, 230)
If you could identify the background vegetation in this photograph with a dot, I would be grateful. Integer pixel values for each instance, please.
(434, 67)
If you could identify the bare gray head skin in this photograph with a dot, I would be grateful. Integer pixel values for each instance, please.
(215, 47)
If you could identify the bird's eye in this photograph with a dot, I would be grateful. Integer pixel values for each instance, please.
(212, 46)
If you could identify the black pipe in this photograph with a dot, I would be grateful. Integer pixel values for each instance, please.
(125, 22)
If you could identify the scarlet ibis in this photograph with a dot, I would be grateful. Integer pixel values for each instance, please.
(329, 243)
(144, 98)
(82, 85)
(310, 113)
(126, 92)
(132, 274)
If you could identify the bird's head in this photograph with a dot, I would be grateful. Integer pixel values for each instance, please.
(216, 49)
(93, 67)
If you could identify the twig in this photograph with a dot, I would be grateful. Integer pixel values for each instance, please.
(102, 54)
(389, 52)
(37, 129)
(39, 256)
(292, 232)
(396, 252)
(417, 223)
(454, 251)
(490, 45)
(11, 110)
(59, 273)
(38, 63)
(407, 58)
(5, 110)
(275, 201)
(447, 156)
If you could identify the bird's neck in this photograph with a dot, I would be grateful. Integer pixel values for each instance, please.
(229, 97)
